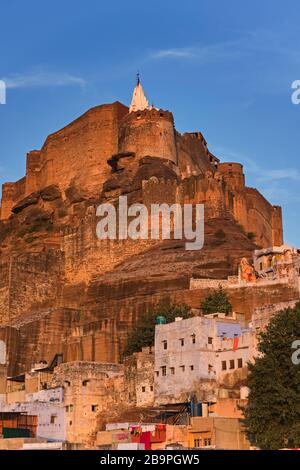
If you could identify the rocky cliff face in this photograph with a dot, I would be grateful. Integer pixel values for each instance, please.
(62, 289)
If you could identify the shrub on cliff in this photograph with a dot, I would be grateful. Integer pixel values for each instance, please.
(273, 410)
(143, 332)
(216, 301)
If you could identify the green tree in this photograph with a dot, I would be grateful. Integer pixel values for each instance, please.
(272, 416)
(216, 301)
(143, 332)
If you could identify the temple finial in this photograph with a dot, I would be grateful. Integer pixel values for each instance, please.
(139, 101)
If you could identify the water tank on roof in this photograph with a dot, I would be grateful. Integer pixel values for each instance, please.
(160, 320)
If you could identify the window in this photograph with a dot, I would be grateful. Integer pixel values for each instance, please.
(53, 419)
(207, 442)
(165, 344)
(224, 366)
(192, 367)
(71, 407)
(85, 382)
(193, 338)
(197, 442)
(70, 423)
(172, 370)
(164, 371)
(182, 368)
(210, 340)
(151, 388)
(231, 364)
(210, 368)
(181, 341)
(143, 389)
(240, 363)
(94, 408)
(157, 373)
(67, 383)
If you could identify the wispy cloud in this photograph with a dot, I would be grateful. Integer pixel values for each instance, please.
(185, 53)
(244, 45)
(203, 54)
(42, 78)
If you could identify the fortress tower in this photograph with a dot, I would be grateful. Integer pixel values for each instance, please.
(146, 130)
(233, 175)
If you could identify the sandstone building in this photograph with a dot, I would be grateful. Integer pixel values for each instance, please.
(62, 290)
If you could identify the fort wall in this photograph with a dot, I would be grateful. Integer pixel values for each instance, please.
(149, 132)
(75, 155)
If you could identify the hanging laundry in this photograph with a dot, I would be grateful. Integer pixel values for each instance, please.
(235, 344)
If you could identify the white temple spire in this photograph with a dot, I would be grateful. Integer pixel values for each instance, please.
(139, 101)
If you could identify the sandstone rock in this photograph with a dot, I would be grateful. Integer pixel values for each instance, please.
(51, 193)
(27, 201)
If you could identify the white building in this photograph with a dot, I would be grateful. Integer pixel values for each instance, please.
(195, 354)
(48, 406)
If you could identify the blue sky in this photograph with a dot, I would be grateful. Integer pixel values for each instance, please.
(224, 68)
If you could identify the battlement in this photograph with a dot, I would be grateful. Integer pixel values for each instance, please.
(151, 114)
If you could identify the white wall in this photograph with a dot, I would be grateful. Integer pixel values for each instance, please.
(204, 357)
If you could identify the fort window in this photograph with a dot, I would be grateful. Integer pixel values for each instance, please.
(67, 383)
(240, 363)
(197, 442)
(165, 344)
(207, 442)
(193, 338)
(172, 370)
(157, 373)
(161, 114)
(85, 382)
(71, 407)
(210, 340)
(231, 364)
(164, 371)
(224, 365)
(192, 367)
(53, 419)
(143, 389)
(151, 388)
(182, 368)
(181, 341)
(94, 408)
(210, 368)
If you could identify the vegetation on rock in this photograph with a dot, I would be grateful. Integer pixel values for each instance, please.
(216, 301)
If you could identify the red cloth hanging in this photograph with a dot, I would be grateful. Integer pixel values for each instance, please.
(235, 344)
